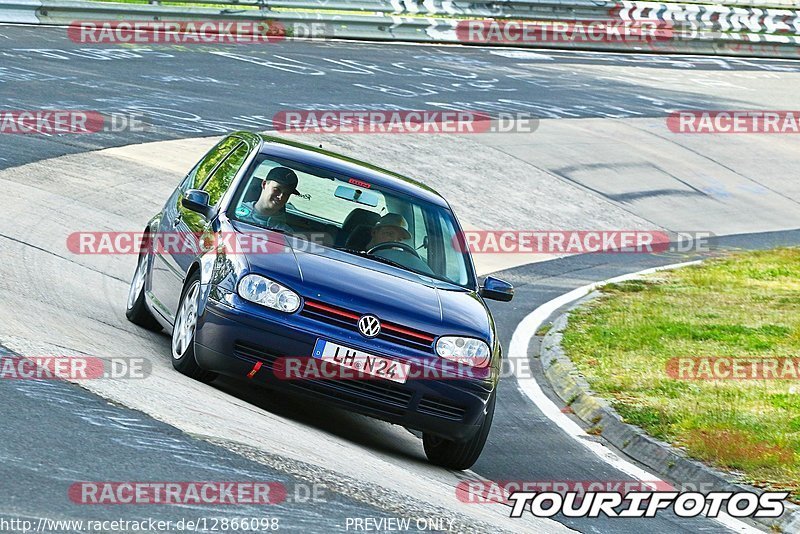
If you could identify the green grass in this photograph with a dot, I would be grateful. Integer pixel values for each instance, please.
(742, 305)
(544, 329)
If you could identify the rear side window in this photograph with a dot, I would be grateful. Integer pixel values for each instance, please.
(221, 180)
(200, 174)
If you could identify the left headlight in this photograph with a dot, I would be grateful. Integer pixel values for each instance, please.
(465, 350)
(269, 293)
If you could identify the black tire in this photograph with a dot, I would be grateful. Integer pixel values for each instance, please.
(459, 455)
(136, 308)
(183, 359)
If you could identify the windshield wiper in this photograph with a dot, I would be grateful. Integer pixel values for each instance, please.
(363, 254)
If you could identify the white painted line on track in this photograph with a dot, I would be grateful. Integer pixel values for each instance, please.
(518, 349)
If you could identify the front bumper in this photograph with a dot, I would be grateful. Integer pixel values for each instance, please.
(231, 342)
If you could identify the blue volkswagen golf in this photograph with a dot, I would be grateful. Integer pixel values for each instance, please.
(306, 271)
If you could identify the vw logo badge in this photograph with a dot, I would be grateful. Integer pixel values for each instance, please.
(369, 325)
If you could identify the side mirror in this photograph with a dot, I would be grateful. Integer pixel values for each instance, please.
(496, 289)
(197, 201)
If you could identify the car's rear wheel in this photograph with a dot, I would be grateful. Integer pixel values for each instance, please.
(136, 310)
(454, 454)
(183, 333)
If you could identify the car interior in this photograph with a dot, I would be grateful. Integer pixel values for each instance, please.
(355, 231)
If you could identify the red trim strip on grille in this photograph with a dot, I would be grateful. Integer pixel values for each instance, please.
(329, 309)
(318, 306)
(407, 332)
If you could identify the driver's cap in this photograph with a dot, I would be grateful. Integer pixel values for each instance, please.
(396, 220)
(285, 177)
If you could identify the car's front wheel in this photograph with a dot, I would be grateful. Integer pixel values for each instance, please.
(136, 310)
(460, 455)
(184, 331)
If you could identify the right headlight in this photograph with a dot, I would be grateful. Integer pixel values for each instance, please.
(464, 350)
(269, 293)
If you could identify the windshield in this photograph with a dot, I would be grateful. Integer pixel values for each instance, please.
(353, 216)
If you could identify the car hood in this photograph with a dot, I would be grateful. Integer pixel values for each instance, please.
(364, 286)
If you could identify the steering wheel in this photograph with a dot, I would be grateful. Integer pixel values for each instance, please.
(394, 244)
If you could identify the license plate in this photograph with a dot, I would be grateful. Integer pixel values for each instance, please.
(361, 361)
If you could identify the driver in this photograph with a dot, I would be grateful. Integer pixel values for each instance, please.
(270, 208)
(391, 228)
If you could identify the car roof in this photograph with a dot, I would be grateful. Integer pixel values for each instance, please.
(360, 170)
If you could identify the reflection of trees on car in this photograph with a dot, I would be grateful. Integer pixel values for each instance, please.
(193, 220)
(209, 163)
(225, 173)
(227, 159)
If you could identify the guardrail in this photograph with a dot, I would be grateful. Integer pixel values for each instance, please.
(516, 9)
(672, 27)
(19, 11)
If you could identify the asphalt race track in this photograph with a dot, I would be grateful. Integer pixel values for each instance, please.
(602, 158)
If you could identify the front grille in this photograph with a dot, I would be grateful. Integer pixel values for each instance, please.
(382, 396)
(441, 408)
(376, 394)
(254, 353)
(347, 319)
(330, 314)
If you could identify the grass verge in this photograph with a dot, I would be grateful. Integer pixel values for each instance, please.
(745, 305)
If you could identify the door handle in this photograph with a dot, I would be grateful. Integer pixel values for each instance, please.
(176, 221)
